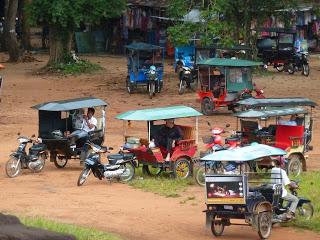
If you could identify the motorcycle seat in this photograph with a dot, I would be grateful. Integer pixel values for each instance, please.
(124, 156)
(111, 167)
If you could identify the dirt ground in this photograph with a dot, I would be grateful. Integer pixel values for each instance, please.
(118, 208)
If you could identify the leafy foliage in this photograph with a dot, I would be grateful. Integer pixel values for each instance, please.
(72, 67)
(230, 20)
(67, 14)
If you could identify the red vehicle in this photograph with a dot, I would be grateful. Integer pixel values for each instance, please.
(153, 158)
(224, 82)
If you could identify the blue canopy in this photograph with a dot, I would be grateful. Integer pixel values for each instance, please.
(277, 102)
(227, 62)
(142, 46)
(248, 153)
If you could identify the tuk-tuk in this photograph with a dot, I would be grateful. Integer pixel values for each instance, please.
(254, 197)
(152, 157)
(276, 47)
(264, 122)
(225, 81)
(59, 118)
(145, 67)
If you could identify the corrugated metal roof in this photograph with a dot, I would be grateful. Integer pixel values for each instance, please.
(148, 3)
(277, 102)
(264, 114)
(70, 104)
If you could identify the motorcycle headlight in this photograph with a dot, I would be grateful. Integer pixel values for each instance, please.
(39, 140)
(261, 91)
(187, 72)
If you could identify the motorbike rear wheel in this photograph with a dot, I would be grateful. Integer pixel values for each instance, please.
(305, 211)
(305, 69)
(217, 227)
(13, 167)
(129, 172)
(279, 67)
(290, 68)
(264, 225)
(182, 86)
(83, 176)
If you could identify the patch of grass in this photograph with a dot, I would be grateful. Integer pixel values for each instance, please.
(310, 189)
(163, 185)
(81, 233)
(82, 66)
(262, 72)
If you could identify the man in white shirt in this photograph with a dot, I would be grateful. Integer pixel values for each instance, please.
(279, 176)
(89, 124)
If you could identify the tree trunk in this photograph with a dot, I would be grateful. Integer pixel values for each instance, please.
(60, 44)
(26, 40)
(10, 34)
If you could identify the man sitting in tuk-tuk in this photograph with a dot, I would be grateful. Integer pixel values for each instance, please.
(89, 124)
(279, 176)
(167, 136)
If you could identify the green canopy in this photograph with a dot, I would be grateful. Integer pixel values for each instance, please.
(152, 114)
(276, 112)
(227, 62)
(70, 104)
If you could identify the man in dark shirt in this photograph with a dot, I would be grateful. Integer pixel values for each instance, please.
(167, 136)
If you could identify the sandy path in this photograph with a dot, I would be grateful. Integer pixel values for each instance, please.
(118, 208)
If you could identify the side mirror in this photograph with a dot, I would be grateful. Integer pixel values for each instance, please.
(33, 135)
(110, 148)
(227, 125)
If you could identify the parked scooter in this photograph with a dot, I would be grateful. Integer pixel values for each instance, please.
(299, 64)
(187, 77)
(214, 144)
(121, 166)
(20, 159)
(154, 84)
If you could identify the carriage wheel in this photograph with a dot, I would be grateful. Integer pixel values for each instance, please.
(217, 227)
(264, 225)
(151, 170)
(182, 168)
(280, 67)
(60, 161)
(294, 165)
(290, 68)
(207, 106)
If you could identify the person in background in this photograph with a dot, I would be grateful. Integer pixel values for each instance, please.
(291, 122)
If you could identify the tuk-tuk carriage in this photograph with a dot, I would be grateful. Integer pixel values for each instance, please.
(277, 47)
(250, 198)
(265, 123)
(152, 157)
(145, 67)
(59, 118)
(225, 81)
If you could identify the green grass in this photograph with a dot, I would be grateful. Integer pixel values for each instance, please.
(74, 68)
(81, 233)
(310, 189)
(163, 185)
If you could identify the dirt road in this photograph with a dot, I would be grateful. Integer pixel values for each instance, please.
(118, 208)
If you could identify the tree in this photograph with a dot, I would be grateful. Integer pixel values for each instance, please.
(10, 32)
(230, 20)
(64, 16)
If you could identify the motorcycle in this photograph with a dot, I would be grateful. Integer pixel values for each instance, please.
(304, 210)
(187, 77)
(154, 84)
(213, 144)
(20, 159)
(121, 166)
(299, 63)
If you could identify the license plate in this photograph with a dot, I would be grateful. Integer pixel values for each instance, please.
(227, 207)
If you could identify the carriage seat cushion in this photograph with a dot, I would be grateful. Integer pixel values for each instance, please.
(124, 156)
(284, 133)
